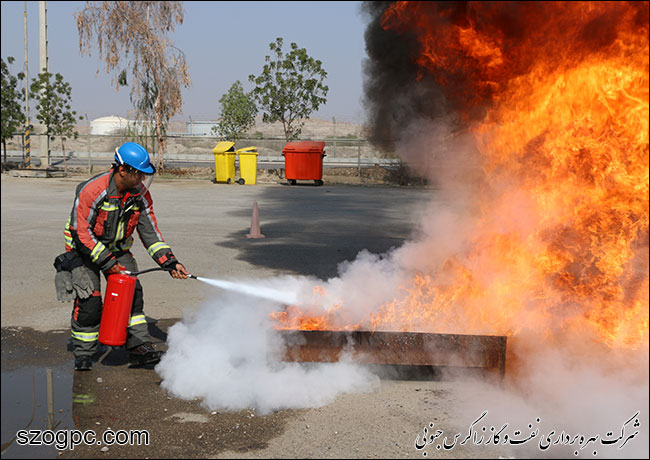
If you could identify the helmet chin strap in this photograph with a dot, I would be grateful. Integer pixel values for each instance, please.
(119, 157)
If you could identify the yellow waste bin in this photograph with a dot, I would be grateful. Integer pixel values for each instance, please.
(224, 162)
(247, 165)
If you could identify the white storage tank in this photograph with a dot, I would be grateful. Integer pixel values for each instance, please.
(109, 125)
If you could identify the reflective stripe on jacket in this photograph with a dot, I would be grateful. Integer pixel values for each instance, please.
(102, 222)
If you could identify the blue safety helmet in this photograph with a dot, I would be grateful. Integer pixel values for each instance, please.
(134, 155)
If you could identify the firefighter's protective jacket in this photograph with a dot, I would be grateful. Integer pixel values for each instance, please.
(102, 222)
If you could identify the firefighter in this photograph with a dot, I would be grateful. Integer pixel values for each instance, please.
(98, 236)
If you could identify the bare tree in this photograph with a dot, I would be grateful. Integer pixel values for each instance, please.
(133, 35)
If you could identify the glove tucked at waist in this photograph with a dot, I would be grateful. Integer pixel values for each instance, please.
(72, 278)
(63, 285)
(82, 282)
(76, 283)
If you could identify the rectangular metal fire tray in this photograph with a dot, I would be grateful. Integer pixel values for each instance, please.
(397, 348)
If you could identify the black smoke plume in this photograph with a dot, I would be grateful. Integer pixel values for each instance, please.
(392, 95)
(399, 91)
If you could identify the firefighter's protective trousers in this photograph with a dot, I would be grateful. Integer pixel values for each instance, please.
(87, 313)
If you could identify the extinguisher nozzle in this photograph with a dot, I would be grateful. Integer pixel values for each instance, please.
(192, 276)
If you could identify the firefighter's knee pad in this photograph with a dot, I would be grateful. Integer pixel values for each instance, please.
(88, 312)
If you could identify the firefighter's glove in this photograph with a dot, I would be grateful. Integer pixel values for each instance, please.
(82, 282)
(170, 264)
(176, 269)
(63, 284)
(180, 272)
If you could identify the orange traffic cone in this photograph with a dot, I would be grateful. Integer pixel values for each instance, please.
(255, 223)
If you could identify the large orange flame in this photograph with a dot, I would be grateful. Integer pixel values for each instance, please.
(561, 243)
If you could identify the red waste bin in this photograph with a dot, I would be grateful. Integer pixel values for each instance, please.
(303, 160)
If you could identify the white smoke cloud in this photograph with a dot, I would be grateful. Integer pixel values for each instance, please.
(228, 355)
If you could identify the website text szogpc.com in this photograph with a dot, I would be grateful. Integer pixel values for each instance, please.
(69, 439)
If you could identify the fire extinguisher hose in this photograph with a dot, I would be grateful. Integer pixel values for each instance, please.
(141, 272)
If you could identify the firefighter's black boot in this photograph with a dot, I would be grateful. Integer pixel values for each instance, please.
(144, 354)
(83, 363)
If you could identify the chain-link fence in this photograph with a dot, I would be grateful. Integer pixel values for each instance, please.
(186, 150)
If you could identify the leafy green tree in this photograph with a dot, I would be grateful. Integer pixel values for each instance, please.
(238, 112)
(12, 114)
(53, 99)
(290, 87)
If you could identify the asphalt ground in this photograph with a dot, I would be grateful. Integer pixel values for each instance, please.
(308, 231)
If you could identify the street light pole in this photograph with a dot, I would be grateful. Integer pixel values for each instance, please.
(27, 141)
(42, 21)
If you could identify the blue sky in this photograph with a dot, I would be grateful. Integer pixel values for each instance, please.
(223, 42)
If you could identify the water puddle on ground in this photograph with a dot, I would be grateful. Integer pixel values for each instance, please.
(35, 398)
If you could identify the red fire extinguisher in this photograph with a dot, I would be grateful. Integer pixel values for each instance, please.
(117, 309)
(118, 301)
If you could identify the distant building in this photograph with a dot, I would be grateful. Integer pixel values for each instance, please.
(114, 125)
(200, 128)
